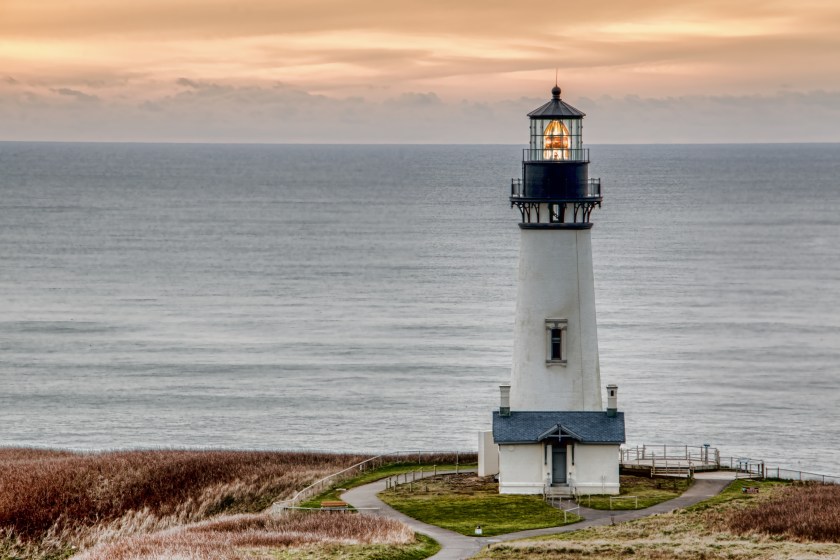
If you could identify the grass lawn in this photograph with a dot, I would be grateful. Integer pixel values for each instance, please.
(649, 491)
(461, 502)
(707, 531)
(422, 548)
(334, 493)
(733, 493)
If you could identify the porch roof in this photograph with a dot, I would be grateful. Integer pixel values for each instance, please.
(533, 427)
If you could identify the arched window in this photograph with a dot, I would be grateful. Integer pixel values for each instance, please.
(556, 141)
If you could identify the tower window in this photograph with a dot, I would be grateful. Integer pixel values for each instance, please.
(556, 344)
(556, 213)
(555, 341)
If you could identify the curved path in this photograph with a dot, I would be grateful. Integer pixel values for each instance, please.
(455, 546)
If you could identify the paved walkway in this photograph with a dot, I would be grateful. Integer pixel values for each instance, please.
(455, 546)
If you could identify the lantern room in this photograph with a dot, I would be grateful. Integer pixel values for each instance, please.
(556, 131)
(555, 170)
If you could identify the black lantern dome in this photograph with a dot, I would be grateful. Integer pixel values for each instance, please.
(555, 167)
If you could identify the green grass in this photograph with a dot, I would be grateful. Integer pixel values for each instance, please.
(372, 476)
(461, 502)
(422, 548)
(703, 531)
(733, 492)
(650, 491)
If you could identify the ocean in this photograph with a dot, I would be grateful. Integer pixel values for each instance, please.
(360, 298)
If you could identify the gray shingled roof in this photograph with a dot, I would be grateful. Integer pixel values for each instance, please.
(556, 108)
(532, 427)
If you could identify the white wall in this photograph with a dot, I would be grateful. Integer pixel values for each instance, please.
(488, 454)
(522, 469)
(555, 281)
(595, 470)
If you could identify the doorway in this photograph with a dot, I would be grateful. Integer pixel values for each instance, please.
(558, 464)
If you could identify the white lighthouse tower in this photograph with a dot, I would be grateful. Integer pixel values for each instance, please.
(551, 431)
(555, 340)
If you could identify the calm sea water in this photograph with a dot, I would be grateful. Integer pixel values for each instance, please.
(361, 297)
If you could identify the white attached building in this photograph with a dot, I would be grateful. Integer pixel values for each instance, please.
(551, 432)
(558, 452)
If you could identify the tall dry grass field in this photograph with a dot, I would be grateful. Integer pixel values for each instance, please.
(51, 501)
(809, 513)
(782, 522)
(253, 537)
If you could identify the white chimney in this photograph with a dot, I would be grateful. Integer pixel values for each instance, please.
(504, 406)
(612, 400)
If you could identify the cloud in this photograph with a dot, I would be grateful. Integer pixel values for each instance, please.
(412, 99)
(207, 111)
(187, 83)
(77, 95)
(781, 117)
(471, 48)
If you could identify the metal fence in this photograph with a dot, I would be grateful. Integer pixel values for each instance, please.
(588, 188)
(558, 155)
(328, 482)
(648, 453)
(696, 456)
(745, 467)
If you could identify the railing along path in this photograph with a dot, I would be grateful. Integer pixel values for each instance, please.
(327, 482)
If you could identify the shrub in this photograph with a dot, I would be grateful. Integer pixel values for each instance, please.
(62, 498)
(803, 512)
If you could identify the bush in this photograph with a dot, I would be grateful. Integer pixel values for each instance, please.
(77, 498)
(803, 512)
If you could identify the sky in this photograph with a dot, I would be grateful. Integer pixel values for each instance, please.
(430, 71)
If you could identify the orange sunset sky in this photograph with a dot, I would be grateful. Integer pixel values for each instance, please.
(427, 71)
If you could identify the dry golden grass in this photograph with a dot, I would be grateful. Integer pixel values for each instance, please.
(804, 513)
(701, 534)
(51, 501)
(254, 536)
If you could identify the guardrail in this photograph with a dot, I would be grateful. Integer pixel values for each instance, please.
(555, 155)
(801, 476)
(393, 481)
(591, 188)
(657, 457)
(374, 462)
(755, 468)
(696, 454)
(566, 513)
(681, 469)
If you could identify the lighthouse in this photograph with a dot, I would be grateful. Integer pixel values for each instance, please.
(551, 433)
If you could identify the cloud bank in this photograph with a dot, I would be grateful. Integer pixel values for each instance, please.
(206, 111)
(431, 71)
